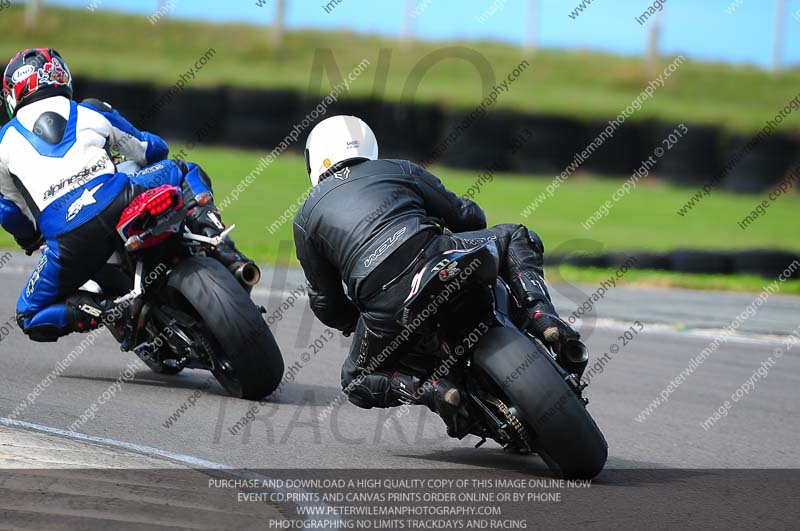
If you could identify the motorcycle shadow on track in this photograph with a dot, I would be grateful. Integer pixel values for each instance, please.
(620, 472)
(145, 377)
(494, 459)
(304, 395)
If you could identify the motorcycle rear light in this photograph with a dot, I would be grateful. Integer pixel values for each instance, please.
(160, 204)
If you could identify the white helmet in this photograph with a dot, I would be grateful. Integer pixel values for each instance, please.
(336, 140)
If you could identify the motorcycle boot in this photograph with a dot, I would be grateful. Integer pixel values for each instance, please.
(440, 396)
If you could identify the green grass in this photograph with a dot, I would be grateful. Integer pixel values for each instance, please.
(644, 220)
(587, 85)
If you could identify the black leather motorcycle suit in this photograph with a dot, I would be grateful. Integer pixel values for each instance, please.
(364, 227)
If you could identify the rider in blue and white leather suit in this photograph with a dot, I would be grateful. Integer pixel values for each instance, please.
(59, 187)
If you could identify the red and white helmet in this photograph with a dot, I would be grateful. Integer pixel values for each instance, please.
(35, 74)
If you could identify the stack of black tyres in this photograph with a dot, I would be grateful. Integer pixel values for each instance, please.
(191, 115)
(690, 159)
(544, 144)
(405, 131)
(135, 101)
(763, 167)
(483, 142)
(259, 119)
(618, 155)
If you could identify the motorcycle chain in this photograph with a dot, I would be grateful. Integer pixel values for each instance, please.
(513, 421)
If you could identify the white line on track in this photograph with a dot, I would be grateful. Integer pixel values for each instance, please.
(157, 452)
(138, 448)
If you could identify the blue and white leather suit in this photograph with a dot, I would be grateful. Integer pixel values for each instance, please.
(57, 178)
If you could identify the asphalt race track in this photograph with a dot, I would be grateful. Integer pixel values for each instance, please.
(292, 431)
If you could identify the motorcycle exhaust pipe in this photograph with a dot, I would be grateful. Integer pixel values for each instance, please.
(247, 273)
(574, 356)
(574, 351)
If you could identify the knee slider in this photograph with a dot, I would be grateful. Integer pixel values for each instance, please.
(41, 333)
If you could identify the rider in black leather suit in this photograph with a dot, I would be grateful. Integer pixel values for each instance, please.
(364, 227)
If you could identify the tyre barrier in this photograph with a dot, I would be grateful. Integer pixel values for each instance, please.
(578, 260)
(502, 140)
(193, 115)
(268, 104)
(135, 101)
(483, 142)
(763, 167)
(766, 263)
(617, 156)
(638, 260)
(546, 145)
(254, 133)
(406, 131)
(691, 261)
(691, 159)
(258, 119)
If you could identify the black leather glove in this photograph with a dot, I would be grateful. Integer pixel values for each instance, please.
(32, 245)
(549, 327)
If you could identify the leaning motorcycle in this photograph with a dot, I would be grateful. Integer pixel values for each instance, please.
(514, 389)
(189, 311)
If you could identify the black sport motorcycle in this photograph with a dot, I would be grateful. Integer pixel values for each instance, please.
(467, 325)
(186, 310)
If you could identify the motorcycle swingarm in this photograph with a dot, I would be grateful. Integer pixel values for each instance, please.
(495, 425)
(179, 342)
